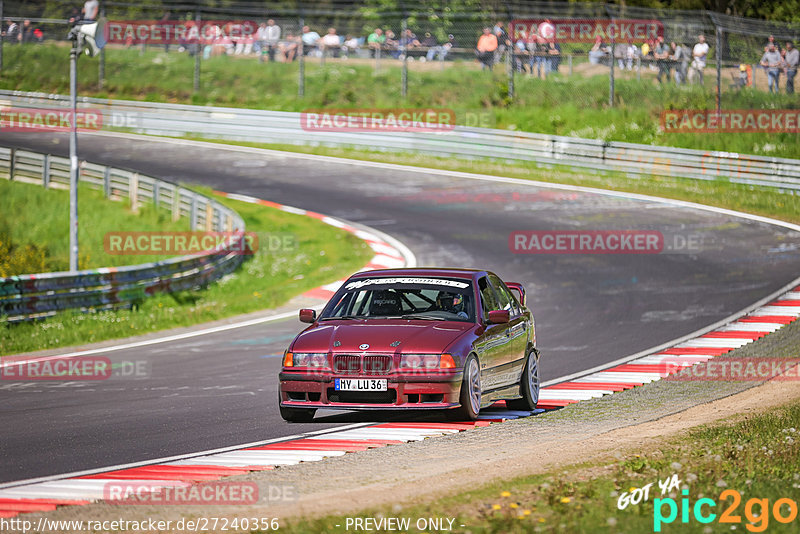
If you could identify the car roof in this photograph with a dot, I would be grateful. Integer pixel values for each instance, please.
(421, 271)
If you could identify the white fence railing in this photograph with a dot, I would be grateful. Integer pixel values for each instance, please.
(38, 295)
(286, 128)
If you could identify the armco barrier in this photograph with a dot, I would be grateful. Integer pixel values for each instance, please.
(282, 127)
(37, 295)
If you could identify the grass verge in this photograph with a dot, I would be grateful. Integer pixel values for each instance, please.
(34, 228)
(720, 193)
(319, 254)
(754, 457)
(574, 105)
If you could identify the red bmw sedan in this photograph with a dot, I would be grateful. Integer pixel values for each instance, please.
(414, 339)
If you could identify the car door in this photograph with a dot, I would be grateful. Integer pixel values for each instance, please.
(512, 361)
(493, 344)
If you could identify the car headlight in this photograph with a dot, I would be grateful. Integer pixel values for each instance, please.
(315, 360)
(426, 361)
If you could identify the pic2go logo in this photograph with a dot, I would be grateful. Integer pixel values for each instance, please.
(756, 511)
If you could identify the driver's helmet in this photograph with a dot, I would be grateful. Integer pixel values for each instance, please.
(450, 302)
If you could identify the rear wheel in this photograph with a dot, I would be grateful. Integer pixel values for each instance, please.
(528, 385)
(296, 415)
(470, 397)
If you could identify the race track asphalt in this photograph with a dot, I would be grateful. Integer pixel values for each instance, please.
(220, 389)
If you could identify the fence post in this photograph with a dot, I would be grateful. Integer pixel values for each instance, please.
(198, 53)
(301, 75)
(176, 203)
(611, 75)
(11, 165)
(107, 182)
(404, 51)
(101, 65)
(46, 171)
(1, 40)
(193, 212)
(133, 192)
(718, 31)
(569, 61)
(156, 192)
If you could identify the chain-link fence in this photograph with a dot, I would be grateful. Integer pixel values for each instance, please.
(294, 55)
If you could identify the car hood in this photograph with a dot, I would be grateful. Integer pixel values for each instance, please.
(383, 336)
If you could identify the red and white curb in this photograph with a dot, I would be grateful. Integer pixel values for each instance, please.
(389, 253)
(760, 322)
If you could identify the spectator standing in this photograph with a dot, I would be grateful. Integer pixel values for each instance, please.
(771, 41)
(681, 60)
(271, 37)
(351, 45)
(90, 10)
(772, 61)
(310, 40)
(12, 34)
(521, 51)
(503, 40)
(331, 42)
(790, 58)
(699, 53)
(554, 55)
(26, 33)
(661, 54)
(487, 45)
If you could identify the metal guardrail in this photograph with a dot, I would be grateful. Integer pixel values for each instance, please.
(283, 127)
(39, 295)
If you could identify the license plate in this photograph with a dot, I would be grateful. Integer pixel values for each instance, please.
(360, 384)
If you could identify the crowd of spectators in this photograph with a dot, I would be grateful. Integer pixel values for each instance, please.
(13, 33)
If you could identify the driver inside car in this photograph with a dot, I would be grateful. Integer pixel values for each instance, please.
(451, 303)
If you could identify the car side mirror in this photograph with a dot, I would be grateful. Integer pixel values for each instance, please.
(308, 315)
(517, 288)
(499, 317)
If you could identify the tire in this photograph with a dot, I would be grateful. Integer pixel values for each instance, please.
(296, 415)
(528, 385)
(470, 397)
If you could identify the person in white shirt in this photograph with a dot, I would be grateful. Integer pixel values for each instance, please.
(331, 41)
(268, 36)
(90, 9)
(699, 54)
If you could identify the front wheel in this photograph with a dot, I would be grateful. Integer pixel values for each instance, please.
(470, 397)
(528, 385)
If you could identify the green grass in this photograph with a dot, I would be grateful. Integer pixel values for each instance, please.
(756, 456)
(561, 105)
(35, 222)
(751, 199)
(266, 280)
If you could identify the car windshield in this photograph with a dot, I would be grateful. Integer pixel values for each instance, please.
(410, 297)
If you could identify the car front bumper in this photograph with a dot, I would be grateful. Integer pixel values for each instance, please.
(406, 392)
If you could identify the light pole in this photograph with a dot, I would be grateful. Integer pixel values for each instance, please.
(88, 37)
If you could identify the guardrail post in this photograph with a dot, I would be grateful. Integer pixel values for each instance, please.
(133, 192)
(46, 171)
(193, 213)
(13, 155)
(176, 203)
(209, 217)
(156, 192)
(107, 182)
(228, 222)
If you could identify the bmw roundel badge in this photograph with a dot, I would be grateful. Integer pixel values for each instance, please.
(363, 346)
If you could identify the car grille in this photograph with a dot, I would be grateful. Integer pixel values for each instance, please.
(377, 365)
(347, 364)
